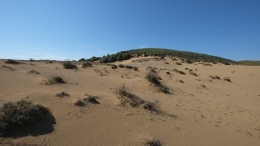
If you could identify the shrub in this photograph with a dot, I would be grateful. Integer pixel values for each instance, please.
(227, 79)
(181, 81)
(91, 99)
(128, 67)
(154, 142)
(212, 77)
(55, 80)
(20, 113)
(114, 67)
(69, 65)
(179, 71)
(33, 72)
(121, 66)
(136, 68)
(217, 77)
(153, 79)
(167, 72)
(11, 61)
(79, 103)
(122, 90)
(193, 73)
(86, 64)
(186, 69)
(62, 94)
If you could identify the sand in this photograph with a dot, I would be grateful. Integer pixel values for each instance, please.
(199, 112)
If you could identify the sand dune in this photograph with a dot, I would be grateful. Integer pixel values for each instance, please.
(201, 111)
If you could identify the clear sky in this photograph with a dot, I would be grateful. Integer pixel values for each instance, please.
(74, 29)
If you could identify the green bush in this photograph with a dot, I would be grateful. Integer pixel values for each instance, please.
(55, 80)
(152, 78)
(20, 113)
(121, 66)
(227, 79)
(69, 65)
(86, 64)
(11, 61)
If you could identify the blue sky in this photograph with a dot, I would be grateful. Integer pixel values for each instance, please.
(74, 29)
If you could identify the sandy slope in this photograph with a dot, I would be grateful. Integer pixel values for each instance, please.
(223, 113)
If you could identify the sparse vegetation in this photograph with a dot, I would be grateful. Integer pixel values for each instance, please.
(121, 66)
(55, 80)
(179, 71)
(207, 64)
(136, 68)
(127, 98)
(69, 65)
(7, 67)
(79, 103)
(114, 66)
(181, 81)
(153, 78)
(128, 67)
(33, 72)
(217, 77)
(62, 94)
(86, 64)
(193, 73)
(154, 142)
(18, 114)
(91, 99)
(11, 61)
(227, 79)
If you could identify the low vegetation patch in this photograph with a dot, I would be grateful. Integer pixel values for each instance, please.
(153, 78)
(11, 61)
(55, 80)
(91, 99)
(7, 68)
(179, 71)
(69, 65)
(181, 81)
(127, 98)
(136, 68)
(128, 67)
(193, 73)
(62, 94)
(227, 79)
(33, 72)
(207, 64)
(18, 114)
(121, 66)
(154, 142)
(114, 66)
(214, 77)
(79, 103)
(86, 64)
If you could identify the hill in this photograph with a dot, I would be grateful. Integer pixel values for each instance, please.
(185, 56)
(250, 62)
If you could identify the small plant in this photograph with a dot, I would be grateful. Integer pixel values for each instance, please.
(18, 114)
(181, 81)
(62, 94)
(212, 77)
(79, 103)
(204, 86)
(217, 77)
(55, 80)
(122, 90)
(167, 72)
(154, 142)
(69, 65)
(179, 71)
(33, 72)
(153, 79)
(7, 67)
(91, 99)
(207, 64)
(227, 79)
(193, 73)
(136, 68)
(11, 61)
(186, 69)
(121, 66)
(86, 64)
(128, 67)
(114, 67)
(166, 62)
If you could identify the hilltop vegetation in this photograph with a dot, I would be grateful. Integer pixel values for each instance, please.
(185, 56)
(249, 62)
